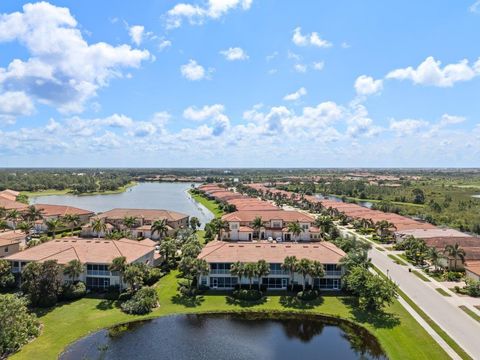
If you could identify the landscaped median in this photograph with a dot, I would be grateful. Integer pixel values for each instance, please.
(209, 204)
(399, 334)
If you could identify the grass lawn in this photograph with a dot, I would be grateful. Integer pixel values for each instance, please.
(469, 312)
(398, 333)
(420, 275)
(209, 204)
(397, 260)
(443, 292)
(68, 191)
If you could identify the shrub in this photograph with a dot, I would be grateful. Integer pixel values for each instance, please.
(74, 291)
(472, 288)
(125, 296)
(452, 276)
(152, 276)
(247, 294)
(112, 293)
(142, 302)
(307, 295)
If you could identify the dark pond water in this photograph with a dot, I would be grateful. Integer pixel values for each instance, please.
(366, 204)
(235, 337)
(170, 196)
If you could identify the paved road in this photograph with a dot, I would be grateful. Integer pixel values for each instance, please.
(461, 327)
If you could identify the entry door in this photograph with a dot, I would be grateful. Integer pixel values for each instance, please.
(335, 283)
(214, 283)
(284, 283)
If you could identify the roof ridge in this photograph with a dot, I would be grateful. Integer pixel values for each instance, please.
(115, 244)
(331, 249)
(58, 252)
(216, 248)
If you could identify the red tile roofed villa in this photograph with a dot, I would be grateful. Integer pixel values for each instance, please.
(9, 202)
(11, 242)
(9, 194)
(50, 212)
(275, 226)
(472, 269)
(95, 254)
(221, 254)
(144, 220)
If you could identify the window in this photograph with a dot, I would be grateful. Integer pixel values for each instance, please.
(223, 282)
(276, 269)
(305, 226)
(6, 249)
(277, 224)
(220, 268)
(97, 282)
(331, 284)
(234, 226)
(275, 283)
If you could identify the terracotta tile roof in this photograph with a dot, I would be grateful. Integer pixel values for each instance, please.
(287, 216)
(431, 233)
(61, 210)
(473, 266)
(221, 251)
(147, 214)
(86, 250)
(245, 229)
(11, 204)
(11, 237)
(9, 194)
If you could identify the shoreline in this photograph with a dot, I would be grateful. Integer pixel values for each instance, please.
(52, 192)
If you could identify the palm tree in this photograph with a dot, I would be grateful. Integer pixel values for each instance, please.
(33, 213)
(3, 212)
(257, 224)
(317, 270)
(304, 268)
(119, 264)
(130, 222)
(262, 269)
(98, 226)
(295, 229)
(73, 269)
(160, 227)
(26, 227)
(456, 252)
(250, 272)
(384, 227)
(238, 269)
(13, 216)
(73, 220)
(219, 226)
(434, 256)
(290, 264)
(53, 225)
(200, 267)
(168, 248)
(324, 223)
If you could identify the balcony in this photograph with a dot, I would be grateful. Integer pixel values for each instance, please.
(278, 272)
(333, 273)
(219, 271)
(99, 272)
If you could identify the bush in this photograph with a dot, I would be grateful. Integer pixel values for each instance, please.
(452, 276)
(307, 295)
(472, 288)
(47, 301)
(152, 276)
(112, 293)
(247, 294)
(74, 291)
(125, 296)
(142, 302)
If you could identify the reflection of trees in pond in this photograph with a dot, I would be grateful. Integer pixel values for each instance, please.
(362, 342)
(304, 330)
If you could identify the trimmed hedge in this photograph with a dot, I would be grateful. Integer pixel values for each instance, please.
(247, 294)
(307, 295)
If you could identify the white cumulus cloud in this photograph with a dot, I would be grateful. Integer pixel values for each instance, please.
(235, 53)
(295, 95)
(136, 33)
(312, 39)
(366, 85)
(407, 126)
(193, 71)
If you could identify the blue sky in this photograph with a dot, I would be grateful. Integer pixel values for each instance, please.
(240, 83)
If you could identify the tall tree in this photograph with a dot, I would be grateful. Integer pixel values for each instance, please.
(304, 268)
(73, 221)
(295, 229)
(73, 269)
(26, 227)
(194, 223)
(456, 252)
(257, 225)
(168, 249)
(434, 256)
(290, 264)
(238, 269)
(118, 265)
(262, 269)
(41, 282)
(53, 225)
(7, 280)
(98, 226)
(13, 216)
(250, 272)
(160, 227)
(33, 213)
(317, 270)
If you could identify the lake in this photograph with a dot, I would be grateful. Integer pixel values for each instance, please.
(154, 195)
(235, 337)
(366, 204)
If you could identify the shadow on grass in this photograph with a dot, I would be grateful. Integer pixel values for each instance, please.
(188, 301)
(230, 300)
(108, 304)
(378, 319)
(292, 302)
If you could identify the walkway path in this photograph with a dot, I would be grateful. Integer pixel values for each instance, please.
(443, 310)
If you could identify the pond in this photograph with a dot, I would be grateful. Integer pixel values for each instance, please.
(154, 195)
(223, 336)
(367, 204)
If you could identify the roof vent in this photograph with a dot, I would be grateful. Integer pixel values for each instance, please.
(240, 245)
(305, 246)
(315, 246)
(257, 246)
(89, 241)
(288, 246)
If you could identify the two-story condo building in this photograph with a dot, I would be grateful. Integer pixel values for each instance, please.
(115, 220)
(220, 255)
(96, 256)
(11, 242)
(52, 212)
(275, 226)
